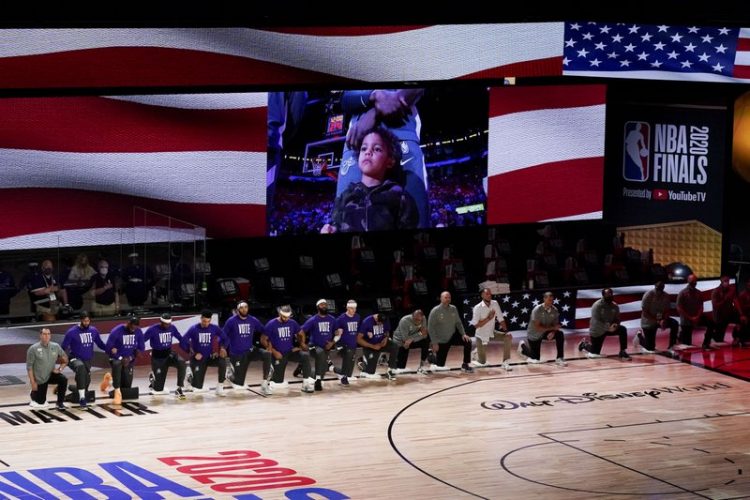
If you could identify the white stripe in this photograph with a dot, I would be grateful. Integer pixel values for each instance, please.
(744, 33)
(529, 138)
(742, 59)
(436, 52)
(101, 236)
(586, 216)
(215, 177)
(199, 101)
(657, 75)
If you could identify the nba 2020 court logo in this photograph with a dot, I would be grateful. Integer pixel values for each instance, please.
(635, 161)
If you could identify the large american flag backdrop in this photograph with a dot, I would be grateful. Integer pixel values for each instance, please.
(517, 307)
(92, 159)
(629, 299)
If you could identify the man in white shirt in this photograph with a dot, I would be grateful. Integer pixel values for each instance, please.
(486, 314)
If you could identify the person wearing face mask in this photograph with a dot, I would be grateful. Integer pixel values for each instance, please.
(46, 293)
(106, 300)
(654, 315)
(320, 330)
(690, 307)
(605, 321)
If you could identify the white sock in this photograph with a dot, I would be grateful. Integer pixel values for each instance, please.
(82, 393)
(318, 377)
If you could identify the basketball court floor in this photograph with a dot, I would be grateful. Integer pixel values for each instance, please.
(653, 427)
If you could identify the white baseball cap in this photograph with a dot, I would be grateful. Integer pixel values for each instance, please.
(321, 301)
(352, 304)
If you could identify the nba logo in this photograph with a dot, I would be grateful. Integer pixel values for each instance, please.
(635, 161)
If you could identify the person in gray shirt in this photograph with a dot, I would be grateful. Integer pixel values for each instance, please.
(544, 324)
(446, 329)
(605, 321)
(655, 307)
(411, 333)
(41, 359)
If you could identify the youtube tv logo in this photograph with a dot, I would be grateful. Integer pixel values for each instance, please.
(660, 194)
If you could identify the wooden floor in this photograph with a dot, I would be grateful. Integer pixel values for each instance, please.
(654, 427)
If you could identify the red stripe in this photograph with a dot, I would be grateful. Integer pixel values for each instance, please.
(559, 189)
(551, 66)
(741, 71)
(505, 100)
(743, 45)
(147, 67)
(346, 30)
(98, 125)
(74, 209)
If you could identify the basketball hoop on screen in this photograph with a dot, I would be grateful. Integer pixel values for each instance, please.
(319, 165)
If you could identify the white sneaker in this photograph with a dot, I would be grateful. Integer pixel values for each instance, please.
(506, 366)
(646, 351)
(477, 364)
(265, 388)
(236, 386)
(38, 406)
(279, 385)
(220, 391)
(200, 390)
(534, 361)
(437, 368)
(399, 371)
(423, 370)
(163, 392)
(308, 385)
(561, 362)
(592, 355)
(373, 376)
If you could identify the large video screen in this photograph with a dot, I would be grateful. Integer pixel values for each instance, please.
(83, 170)
(374, 160)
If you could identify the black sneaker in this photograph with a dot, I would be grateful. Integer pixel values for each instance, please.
(151, 380)
(60, 406)
(361, 364)
(624, 355)
(581, 345)
(83, 405)
(431, 359)
(466, 368)
(318, 385)
(391, 374)
(298, 371)
(180, 395)
(344, 380)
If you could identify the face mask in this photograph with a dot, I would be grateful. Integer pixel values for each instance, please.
(103, 271)
(47, 271)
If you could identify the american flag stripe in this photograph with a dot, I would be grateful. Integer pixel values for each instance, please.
(742, 59)
(39, 58)
(96, 158)
(629, 299)
(545, 145)
(96, 125)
